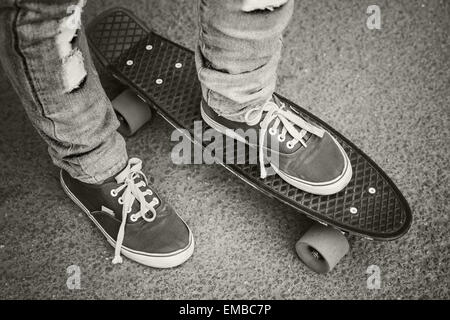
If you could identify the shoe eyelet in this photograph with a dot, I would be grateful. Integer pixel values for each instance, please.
(272, 131)
(290, 145)
(129, 210)
(281, 138)
(133, 218)
(149, 219)
(149, 192)
(113, 193)
(120, 200)
(156, 201)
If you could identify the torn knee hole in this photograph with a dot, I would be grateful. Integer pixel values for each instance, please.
(73, 70)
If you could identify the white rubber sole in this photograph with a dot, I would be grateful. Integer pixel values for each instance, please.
(160, 261)
(323, 188)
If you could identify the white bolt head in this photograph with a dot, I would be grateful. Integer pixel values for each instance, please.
(130, 62)
(353, 210)
(149, 47)
(372, 190)
(178, 65)
(159, 81)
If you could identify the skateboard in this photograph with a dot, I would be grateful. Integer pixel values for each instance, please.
(161, 76)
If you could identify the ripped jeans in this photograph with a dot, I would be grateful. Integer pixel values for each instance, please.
(46, 58)
(45, 55)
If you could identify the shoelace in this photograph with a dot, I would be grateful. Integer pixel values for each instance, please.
(131, 193)
(289, 121)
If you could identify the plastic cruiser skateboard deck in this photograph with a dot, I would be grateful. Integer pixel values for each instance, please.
(163, 75)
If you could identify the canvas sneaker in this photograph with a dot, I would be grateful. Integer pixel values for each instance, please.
(135, 220)
(308, 157)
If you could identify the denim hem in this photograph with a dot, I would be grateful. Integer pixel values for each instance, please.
(106, 174)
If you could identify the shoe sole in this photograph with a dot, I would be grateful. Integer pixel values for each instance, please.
(323, 188)
(160, 261)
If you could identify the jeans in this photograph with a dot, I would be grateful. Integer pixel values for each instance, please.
(48, 63)
(239, 48)
(47, 60)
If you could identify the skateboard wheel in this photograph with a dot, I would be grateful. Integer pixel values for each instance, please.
(321, 248)
(132, 112)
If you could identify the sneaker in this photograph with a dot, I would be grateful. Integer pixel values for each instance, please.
(133, 218)
(308, 157)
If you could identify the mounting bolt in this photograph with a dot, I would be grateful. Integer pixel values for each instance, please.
(372, 190)
(178, 65)
(130, 62)
(353, 210)
(159, 81)
(149, 47)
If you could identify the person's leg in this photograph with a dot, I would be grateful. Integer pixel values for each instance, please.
(45, 55)
(237, 57)
(239, 49)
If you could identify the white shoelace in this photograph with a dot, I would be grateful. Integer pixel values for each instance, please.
(131, 193)
(289, 121)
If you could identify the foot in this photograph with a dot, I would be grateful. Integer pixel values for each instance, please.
(309, 158)
(133, 218)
